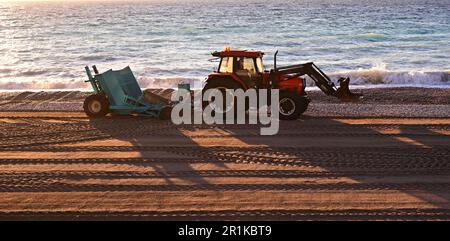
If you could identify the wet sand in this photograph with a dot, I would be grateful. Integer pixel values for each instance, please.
(332, 164)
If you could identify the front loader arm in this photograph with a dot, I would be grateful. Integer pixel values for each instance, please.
(320, 79)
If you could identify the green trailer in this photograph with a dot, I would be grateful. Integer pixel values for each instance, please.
(118, 92)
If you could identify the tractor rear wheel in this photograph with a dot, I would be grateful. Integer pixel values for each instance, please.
(96, 105)
(291, 105)
(223, 84)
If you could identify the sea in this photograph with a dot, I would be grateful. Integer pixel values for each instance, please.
(45, 45)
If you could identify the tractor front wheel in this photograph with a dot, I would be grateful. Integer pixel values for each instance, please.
(292, 105)
(96, 105)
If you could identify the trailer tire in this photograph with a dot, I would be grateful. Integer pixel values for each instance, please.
(96, 105)
(291, 105)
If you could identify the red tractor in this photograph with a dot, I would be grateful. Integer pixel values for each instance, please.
(242, 69)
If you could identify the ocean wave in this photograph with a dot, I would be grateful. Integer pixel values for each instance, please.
(371, 36)
(380, 75)
(42, 85)
(97, 58)
(144, 82)
(376, 76)
(31, 72)
(6, 70)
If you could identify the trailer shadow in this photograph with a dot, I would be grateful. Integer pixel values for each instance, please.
(150, 138)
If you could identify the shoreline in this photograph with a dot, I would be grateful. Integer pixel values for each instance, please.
(387, 102)
(308, 88)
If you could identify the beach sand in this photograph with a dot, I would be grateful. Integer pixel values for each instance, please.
(385, 158)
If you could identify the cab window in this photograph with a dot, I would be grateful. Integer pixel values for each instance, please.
(245, 64)
(260, 65)
(226, 65)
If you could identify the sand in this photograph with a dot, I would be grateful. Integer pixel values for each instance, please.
(367, 161)
(389, 102)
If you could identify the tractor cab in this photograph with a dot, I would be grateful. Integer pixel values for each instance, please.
(246, 65)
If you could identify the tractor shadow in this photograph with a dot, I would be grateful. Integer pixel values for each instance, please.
(430, 139)
(410, 158)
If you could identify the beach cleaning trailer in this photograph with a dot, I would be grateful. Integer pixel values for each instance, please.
(118, 92)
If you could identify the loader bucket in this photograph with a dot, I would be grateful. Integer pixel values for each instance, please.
(343, 92)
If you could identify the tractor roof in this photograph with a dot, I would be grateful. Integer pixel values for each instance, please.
(237, 53)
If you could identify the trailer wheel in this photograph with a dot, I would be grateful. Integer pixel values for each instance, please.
(96, 105)
(292, 105)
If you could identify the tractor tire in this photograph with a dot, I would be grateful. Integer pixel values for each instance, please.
(96, 105)
(222, 83)
(292, 105)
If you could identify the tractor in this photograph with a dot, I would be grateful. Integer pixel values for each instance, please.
(242, 69)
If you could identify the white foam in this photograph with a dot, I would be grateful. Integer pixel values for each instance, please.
(380, 76)
(377, 76)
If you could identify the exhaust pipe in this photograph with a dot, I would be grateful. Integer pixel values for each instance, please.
(275, 60)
